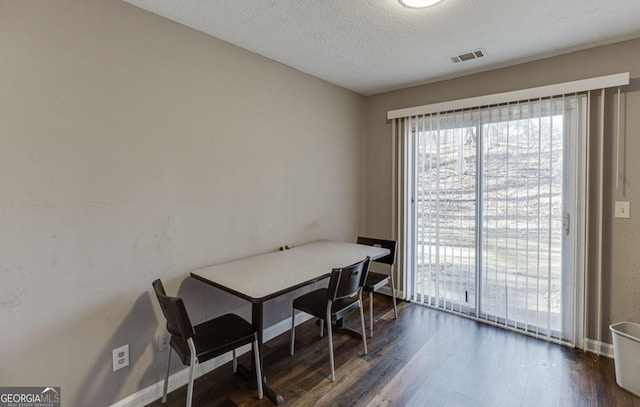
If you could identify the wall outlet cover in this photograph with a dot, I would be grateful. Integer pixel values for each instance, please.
(120, 357)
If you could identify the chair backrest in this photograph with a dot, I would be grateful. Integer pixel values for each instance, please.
(347, 281)
(178, 322)
(387, 244)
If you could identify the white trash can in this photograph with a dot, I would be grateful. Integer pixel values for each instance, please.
(626, 355)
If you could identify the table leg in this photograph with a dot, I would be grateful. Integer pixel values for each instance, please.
(258, 323)
(341, 328)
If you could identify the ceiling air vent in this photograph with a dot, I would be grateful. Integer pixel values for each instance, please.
(468, 56)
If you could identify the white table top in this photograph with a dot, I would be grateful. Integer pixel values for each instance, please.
(265, 276)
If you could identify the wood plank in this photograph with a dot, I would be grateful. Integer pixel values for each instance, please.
(425, 357)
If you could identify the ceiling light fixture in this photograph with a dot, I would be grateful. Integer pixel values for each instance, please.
(418, 3)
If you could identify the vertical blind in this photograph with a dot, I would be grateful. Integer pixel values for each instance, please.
(480, 206)
(488, 199)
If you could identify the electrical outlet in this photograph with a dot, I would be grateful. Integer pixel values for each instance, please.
(120, 357)
(163, 341)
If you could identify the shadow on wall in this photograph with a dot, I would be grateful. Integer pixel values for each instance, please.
(204, 302)
(75, 353)
(138, 330)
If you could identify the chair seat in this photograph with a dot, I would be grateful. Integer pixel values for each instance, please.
(375, 281)
(215, 337)
(315, 303)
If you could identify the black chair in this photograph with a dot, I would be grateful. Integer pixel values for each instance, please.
(197, 344)
(343, 295)
(375, 281)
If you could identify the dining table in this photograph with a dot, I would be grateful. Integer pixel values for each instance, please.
(262, 277)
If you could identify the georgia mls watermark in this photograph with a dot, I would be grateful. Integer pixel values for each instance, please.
(29, 396)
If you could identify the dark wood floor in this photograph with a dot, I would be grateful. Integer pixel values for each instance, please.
(424, 358)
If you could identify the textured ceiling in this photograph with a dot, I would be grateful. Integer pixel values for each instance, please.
(372, 46)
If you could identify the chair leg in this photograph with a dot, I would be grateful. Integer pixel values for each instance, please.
(194, 360)
(166, 379)
(256, 356)
(235, 361)
(371, 313)
(393, 295)
(293, 330)
(364, 331)
(322, 328)
(329, 333)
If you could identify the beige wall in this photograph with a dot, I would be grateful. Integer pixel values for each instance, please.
(134, 148)
(621, 248)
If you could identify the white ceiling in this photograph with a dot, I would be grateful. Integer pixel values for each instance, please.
(372, 46)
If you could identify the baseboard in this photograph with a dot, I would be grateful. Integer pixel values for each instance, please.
(599, 348)
(386, 290)
(179, 379)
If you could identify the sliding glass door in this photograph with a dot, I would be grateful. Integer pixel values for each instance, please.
(494, 194)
